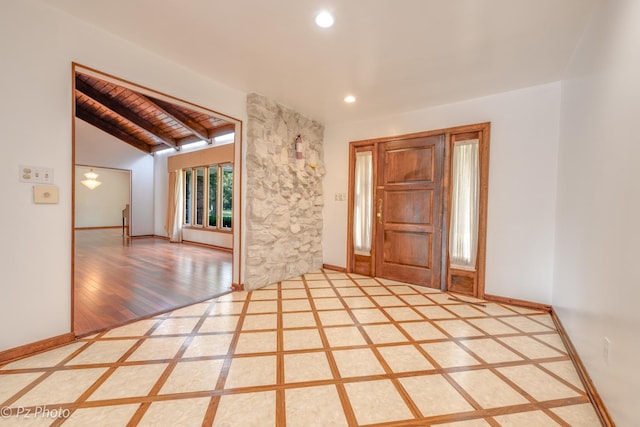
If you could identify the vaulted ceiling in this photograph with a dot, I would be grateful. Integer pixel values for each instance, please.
(393, 55)
(142, 121)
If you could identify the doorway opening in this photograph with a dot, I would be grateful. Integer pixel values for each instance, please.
(125, 268)
(418, 208)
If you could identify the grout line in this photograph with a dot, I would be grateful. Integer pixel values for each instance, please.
(333, 365)
(293, 294)
(281, 410)
(224, 370)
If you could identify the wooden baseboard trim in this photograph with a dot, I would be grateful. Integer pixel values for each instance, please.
(35, 347)
(98, 228)
(142, 236)
(237, 287)
(334, 268)
(592, 393)
(206, 245)
(518, 302)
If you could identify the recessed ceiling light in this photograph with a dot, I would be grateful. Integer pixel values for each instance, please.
(349, 99)
(324, 19)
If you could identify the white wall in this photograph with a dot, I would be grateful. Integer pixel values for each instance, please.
(97, 148)
(522, 182)
(101, 206)
(161, 191)
(596, 284)
(37, 45)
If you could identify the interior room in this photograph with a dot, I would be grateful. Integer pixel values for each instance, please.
(401, 227)
(123, 270)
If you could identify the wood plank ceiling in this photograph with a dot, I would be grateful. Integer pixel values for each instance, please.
(142, 121)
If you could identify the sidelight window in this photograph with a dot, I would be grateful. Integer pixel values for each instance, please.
(465, 197)
(363, 203)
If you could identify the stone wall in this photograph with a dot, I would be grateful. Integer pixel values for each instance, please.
(284, 194)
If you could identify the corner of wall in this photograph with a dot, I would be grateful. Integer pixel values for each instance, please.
(284, 193)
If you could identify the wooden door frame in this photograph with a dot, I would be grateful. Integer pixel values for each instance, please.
(238, 200)
(483, 130)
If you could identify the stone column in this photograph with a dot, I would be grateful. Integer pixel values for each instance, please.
(284, 195)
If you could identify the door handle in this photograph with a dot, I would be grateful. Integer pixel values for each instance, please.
(379, 214)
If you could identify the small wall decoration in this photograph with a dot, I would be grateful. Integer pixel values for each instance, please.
(299, 155)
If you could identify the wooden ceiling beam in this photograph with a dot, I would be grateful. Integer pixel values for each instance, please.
(223, 130)
(184, 120)
(124, 112)
(112, 130)
(188, 140)
(218, 131)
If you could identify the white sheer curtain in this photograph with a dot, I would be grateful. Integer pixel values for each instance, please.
(363, 203)
(174, 207)
(463, 235)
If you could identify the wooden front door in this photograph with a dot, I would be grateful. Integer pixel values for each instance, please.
(409, 210)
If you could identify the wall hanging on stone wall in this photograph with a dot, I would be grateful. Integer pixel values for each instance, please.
(299, 155)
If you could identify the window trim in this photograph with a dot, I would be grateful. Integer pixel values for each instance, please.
(205, 211)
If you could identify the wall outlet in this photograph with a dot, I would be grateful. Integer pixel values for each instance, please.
(606, 350)
(36, 174)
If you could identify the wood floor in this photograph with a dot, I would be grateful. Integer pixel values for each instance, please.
(117, 279)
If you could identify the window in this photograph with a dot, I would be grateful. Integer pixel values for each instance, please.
(227, 195)
(208, 200)
(187, 196)
(465, 200)
(213, 197)
(363, 203)
(199, 196)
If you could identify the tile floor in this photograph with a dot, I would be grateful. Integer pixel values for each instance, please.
(326, 349)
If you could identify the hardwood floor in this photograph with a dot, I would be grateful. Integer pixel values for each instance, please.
(117, 279)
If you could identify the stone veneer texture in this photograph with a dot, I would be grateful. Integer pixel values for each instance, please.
(284, 194)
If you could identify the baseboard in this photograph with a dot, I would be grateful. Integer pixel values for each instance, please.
(237, 286)
(592, 393)
(206, 245)
(334, 268)
(35, 347)
(99, 228)
(518, 302)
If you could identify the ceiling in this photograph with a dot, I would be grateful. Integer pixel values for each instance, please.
(393, 55)
(147, 123)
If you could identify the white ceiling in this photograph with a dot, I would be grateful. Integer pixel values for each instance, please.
(393, 55)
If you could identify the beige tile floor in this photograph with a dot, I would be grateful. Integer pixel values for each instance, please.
(325, 349)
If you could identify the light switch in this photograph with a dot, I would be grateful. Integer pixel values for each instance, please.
(47, 194)
(36, 174)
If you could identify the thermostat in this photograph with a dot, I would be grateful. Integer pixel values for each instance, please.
(47, 194)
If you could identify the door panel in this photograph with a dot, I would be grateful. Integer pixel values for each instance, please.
(409, 164)
(399, 248)
(420, 200)
(409, 220)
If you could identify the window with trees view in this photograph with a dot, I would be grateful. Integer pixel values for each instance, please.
(208, 196)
